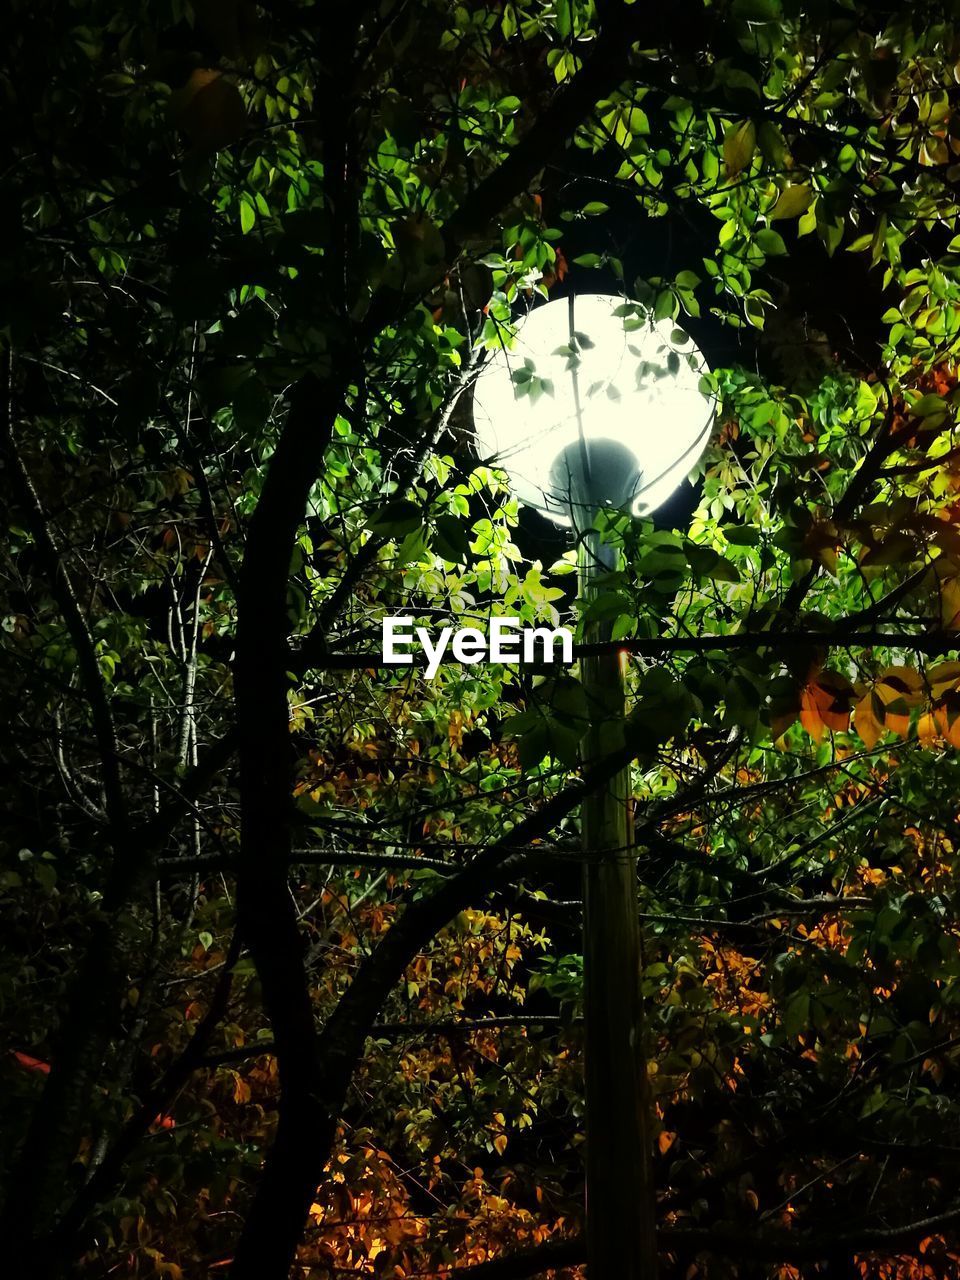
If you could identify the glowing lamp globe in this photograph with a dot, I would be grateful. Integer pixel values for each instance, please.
(594, 404)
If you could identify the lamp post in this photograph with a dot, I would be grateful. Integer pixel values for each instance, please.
(595, 406)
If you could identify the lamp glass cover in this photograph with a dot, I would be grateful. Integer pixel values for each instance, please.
(593, 399)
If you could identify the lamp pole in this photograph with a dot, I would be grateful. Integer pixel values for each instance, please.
(620, 1199)
(620, 1202)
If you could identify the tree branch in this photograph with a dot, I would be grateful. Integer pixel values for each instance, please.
(778, 1246)
(937, 641)
(266, 914)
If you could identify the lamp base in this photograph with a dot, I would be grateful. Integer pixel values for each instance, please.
(590, 474)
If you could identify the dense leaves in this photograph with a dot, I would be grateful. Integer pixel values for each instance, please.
(292, 959)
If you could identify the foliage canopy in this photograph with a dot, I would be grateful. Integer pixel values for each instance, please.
(292, 957)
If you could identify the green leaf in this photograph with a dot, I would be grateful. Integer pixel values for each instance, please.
(413, 547)
(664, 706)
(771, 242)
(452, 540)
(796, 1017)
(734, 78)
(757, 10)
(829, 230)
(248, 215)
(607, 604)
(772, 146)
(533, 745)
(876, 1102)
(667, 306)
(252, 403)
(708, 563)
(564, 743)
(741, 535)
(928, 405)
(396, 519)
(637, 122)
(567, 701)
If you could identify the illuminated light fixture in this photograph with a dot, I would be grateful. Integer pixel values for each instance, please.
(593, 405)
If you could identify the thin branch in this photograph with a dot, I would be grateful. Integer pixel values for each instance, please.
(65, 594)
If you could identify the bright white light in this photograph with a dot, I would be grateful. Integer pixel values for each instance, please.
(644, 420)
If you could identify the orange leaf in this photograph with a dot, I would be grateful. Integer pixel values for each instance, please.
(32, 1064)
(825, 703)
(665, 1141)
(947, 718)
(810, 714)
(868, 726)
(927, 731)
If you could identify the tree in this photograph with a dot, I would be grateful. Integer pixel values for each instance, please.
(252, 262)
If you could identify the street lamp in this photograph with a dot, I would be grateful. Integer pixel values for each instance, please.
(594, 405)
(592, 389)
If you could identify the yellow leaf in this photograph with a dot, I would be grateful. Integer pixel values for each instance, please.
(897, 691)
(792, 202)
(950, 604)
(739, 144)
(943, 678)
(209, 110)
(907, 682)
(500, 1143)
